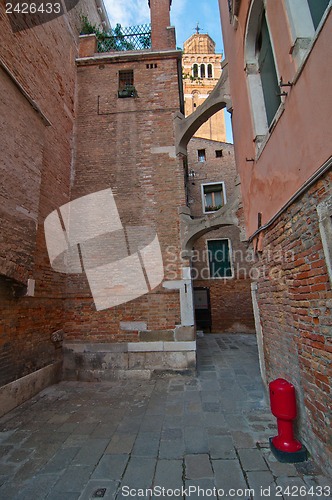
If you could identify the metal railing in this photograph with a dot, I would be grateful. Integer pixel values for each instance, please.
(121, 39)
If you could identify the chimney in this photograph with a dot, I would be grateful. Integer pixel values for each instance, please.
(162, 35)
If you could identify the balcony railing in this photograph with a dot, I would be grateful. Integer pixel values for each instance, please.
(121, 39)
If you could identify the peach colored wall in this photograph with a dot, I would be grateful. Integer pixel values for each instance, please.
(301, 140)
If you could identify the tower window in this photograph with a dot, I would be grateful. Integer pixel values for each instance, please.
(209, 69)
(202, 70)
(195, 70)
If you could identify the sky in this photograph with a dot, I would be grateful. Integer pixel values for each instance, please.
(185, 14)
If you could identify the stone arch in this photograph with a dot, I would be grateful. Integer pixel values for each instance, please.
(185, 127)
(193, 229)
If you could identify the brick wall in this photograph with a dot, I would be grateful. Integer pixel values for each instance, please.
(36, 153)
(127, 144)
(295, 303)
(231, 306)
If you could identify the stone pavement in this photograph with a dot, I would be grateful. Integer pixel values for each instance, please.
(192, 435)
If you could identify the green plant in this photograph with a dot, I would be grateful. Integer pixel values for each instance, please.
(114, 40)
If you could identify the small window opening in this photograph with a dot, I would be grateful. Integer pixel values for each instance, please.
(202, 70)
(219, 153)
(209, 70)
(195, 70)
(126, 84)
(201, 154)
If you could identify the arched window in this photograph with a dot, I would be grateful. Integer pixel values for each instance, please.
(202, 70)
(267, 70)
(317, 9)
(195, 70)
(261, 71)
(209, 69)
(303, 27)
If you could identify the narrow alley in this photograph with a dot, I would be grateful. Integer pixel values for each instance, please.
(199, 435)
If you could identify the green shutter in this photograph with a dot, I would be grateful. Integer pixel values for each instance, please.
(268, 74)
(317, 9)
(219, 259)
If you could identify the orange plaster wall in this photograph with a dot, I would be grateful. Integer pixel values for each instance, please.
(301, 140)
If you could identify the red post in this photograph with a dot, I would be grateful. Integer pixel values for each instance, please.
(283, 406)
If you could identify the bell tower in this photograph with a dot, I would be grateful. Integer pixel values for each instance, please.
(162, 34)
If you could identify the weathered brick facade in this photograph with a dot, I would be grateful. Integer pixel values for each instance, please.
(38, 75)
(284, 161)
(295, 303)
(229, 294)
(127, 144)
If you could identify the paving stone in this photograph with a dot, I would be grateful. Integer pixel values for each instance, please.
(111, 467)
(58, 495)
(99, 488)
(172, 433)
(121, 443)
(221, 447)
(252, 459)
(103, 431)
(228, 475)
(278, 468)
(263, 484)
(38, 487)
(172, 422)
(169, 474)
(243, 439)
(195, 440)
(291, 487)
(198, 466)
(146, 444)
(60, 460)
(174, 409)
(152, 423)
(73, 480)
(171, 449)
(139, 472)
(91, 452)
(213, 420)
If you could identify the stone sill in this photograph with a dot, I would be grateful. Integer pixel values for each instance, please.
(131, 347)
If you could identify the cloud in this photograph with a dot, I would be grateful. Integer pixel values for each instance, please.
(127, 14)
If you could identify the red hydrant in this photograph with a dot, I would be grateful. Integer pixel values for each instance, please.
(283, 406)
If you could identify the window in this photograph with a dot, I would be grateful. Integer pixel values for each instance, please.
(126, 84)
(202, 70)
(261, 71)
(317, 9)
(219, 254)
(201, 154)
(209, 70)
(213, 195)
(304, 19)
(267, 70)
(195, 70)
(219, 153)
